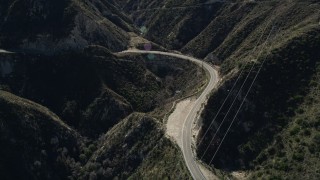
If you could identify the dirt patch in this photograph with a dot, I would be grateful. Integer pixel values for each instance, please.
(136, 41)
(177, 118)
(240, 175)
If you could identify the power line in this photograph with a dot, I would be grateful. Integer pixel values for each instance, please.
(196, 5)
(241, 72)
(206, 4)
(175, 7)
(244, 82)
(237, 94)
(239, 108)
(241, 87)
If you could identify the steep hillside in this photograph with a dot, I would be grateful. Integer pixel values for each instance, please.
(35, 143)
(54, 26)
(238, 36)
(282, 85)
(294, 153)
(223, 27)
(136, 148)
(269, 111)
(104, 111)
(171, 23)
(92, 90)
(62, 58)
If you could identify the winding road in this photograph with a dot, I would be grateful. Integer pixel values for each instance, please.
(187, 148)
(186, 140)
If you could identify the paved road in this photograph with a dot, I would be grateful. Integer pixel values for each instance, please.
(188, 124)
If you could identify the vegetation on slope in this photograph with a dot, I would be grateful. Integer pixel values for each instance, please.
(63, 61)
(233, 36)
(282, 84)
(294, 153)
(51, 27)
(96, 89)
(133, 149)
(35, 143)
(93, 90)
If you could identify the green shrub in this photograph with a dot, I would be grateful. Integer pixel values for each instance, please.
(312, 148)
(316, 139)
(307, 132)
(262, 157)
(87, 152)
(275, 177)
(281, 165)
(298, 156)
(92, 147)
(294, 130)
(83, 158)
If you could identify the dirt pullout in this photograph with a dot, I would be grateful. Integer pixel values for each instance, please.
(136, 40)
(177, 117)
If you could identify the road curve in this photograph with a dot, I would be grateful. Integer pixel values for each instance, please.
(187, 151)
